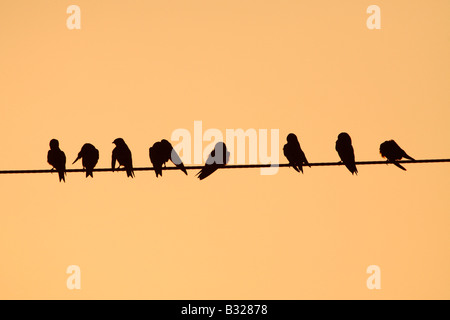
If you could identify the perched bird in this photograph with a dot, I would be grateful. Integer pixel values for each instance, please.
(294, 153)
(160, 153)
(57, 159)
(218, 158)
(156, 157)
(89, 155)
(392, 151)
(122, 154)
(345, 150)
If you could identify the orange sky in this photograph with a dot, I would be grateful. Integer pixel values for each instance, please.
(142, 69)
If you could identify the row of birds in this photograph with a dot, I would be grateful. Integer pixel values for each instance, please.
(162, 151)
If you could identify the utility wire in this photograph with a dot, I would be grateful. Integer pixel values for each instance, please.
(233, 166)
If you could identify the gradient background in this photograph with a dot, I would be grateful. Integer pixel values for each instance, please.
(141, 69)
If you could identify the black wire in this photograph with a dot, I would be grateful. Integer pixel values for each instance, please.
(234, 166)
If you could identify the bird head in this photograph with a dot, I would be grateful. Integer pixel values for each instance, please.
(166, 143)
(54, 144)
(86, 147)
(385, 147)
(166, 146)
(156, 146)
(220, 153)
(84, 150)
(291, 138)
(119, 141)
(344, 136)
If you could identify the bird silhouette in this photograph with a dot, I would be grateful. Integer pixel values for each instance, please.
(345, 150)
(57, 159)
(392, 151)
(122, 154)
(161, 152)
(218, 158)
(89, 155)
(156, 157)
(294, 153)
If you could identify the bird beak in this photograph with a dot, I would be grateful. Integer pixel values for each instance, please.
(76, 160)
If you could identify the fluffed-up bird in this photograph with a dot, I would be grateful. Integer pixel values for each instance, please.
(345, 150)
(57, 159)
(161, 152)
(218, 158)
(122, 154)
(392, 152)
(89, 157)
(294, 153)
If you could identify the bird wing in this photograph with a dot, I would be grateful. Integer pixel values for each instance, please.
(207, 170)
(211, 166)
(176, 160)
(347, 155)
(287, 151)
(90, 160)
(154, 158)
(114, 158)
(62, 171)
(95, 157)
(405, 155)
(50, 158)
(303, 157)
(63, 160)
(128, 163)
(399, 165)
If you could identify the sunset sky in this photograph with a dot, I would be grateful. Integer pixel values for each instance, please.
(141, 70)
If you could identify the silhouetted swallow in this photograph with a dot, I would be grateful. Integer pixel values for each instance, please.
(345, 150)
(392, 151)
(160, 153)
(294, 153)
(57, 159)
(218, 158)
(89, 155)
(122, 154)
(156, 157)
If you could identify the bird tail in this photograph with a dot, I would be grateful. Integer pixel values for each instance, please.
(89, 173)
(352, 168)
(158, 171)
(61, 175)
(205, 172)
(399, 165)
(182, 168)
(130, 172)
(176, 160)
(306, 161)
(201, 174)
